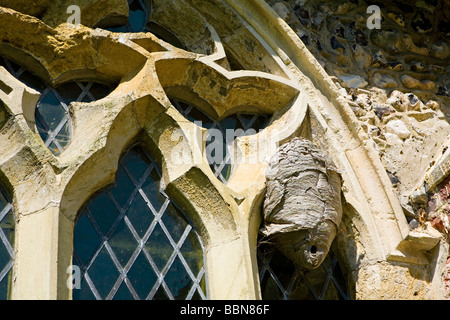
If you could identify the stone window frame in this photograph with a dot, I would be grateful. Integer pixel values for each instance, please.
(156, 220)
(46, 90)
(315, 111)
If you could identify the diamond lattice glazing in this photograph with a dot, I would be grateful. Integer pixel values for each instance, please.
(132, 242)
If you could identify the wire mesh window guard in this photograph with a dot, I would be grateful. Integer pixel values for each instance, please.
(281, 280)
(7, 232)
(221, 165)
(52, 113)
(138, 21)
(132, 242)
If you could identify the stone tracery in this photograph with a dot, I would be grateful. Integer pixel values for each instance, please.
(149, 70)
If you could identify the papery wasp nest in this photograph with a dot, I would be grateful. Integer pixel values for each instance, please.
(302, 205)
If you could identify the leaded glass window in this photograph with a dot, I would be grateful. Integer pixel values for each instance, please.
(132, 241)
(281, 280)
(52, 110)
(240, 124)
(7, 232)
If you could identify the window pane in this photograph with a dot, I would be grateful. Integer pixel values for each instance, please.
(140, 215)
(52, 117)
(51, 111)
(69, 92)
(269, 288)
(137, 18)
(280, 279)
(123, 243)
(104, 212)
(148, 249)
(219, 141)
(7, 234)
(103, 273)
(192, 253)
(178, 280)
(86, 242)
(142, 276)
(159, 247)
(175, 222)
(123, 293)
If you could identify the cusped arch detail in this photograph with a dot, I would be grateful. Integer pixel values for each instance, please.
(149, 123)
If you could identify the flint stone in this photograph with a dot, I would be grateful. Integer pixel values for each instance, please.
(399, 128)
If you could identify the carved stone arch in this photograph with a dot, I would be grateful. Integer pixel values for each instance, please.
(246, 48)
(25, 59)
(148, 122)
(93, 63)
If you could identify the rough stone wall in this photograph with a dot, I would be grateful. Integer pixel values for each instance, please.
(409, 52)
(395, 78)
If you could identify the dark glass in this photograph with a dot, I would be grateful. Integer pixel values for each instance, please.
(84, 293)
(3, 201)
(141, 242)
(193, 253)
(123, 293)
(136, 163)
(142, 276)
(159, 247)
(340, 281)
(247, 124)
(4, 255)
(196, 296)
(174, 222)
(152, 188)
(69, 92)
(51, 111)
(270, 289)
(123, 188)
(332, 293)
(8, 225)
(5, 286)
(283, 268)
(138, 16)
(123, 243)
(140, 215)
(10, 66)
(103, 273)
(178, 280)
(301, 291)
(99, 91)
(137, 19)
(7, 228)
(281, 279)
(86, 241)
(161, 294)
(32, 81)
(104, 212)
(42, 128)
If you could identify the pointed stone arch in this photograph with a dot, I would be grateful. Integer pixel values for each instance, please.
(50, 191)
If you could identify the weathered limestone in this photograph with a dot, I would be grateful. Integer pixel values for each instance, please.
(240, 56)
